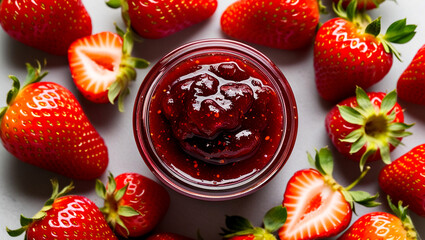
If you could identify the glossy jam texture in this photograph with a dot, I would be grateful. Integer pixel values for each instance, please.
(212, 113)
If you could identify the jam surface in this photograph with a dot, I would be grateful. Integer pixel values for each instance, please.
(215, 119)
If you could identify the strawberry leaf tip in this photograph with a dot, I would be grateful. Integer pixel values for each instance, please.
(239, 226)
(26, 222)
(114, 3)
(377, 127)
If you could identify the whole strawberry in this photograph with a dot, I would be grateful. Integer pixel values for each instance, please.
(167, 236)
(240, 228)
(65, 217)
(348, 54)
(134, 204)
(411, 84)
(367, 127)
(49, 25)
(361, 4)
(278, 24)
(44, 125)
(383, 226)
(107, 76)
(318, 207)
(404, 179)
(159, 19)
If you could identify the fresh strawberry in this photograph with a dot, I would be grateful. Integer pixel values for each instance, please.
(411, 84)
(278, 24)
(102, 66)
(65, 217)
(404, 179)
(348, 54)
(361, 4)
(134, 204)
(167, 236)
(44, 125)
(383, 226)
(367, 127)
(158, 19)
(318, 207)
(240, 228)
(49, 25)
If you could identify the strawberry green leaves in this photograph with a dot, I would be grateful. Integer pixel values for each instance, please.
(112, 209)
(26, 222)
(377, 129)
(119, 89)
(398, 32)
(34, 74)
(240, 226)
(401, 212)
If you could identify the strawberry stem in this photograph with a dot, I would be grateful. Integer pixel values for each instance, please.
(362, 175)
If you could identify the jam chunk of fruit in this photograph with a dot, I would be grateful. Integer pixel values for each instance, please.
(218, 111)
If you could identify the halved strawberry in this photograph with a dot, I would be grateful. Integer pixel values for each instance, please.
(102, 66)
(317, 206)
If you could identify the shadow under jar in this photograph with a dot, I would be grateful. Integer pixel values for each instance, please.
(215, 119)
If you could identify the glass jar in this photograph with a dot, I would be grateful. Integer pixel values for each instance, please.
(215, 119)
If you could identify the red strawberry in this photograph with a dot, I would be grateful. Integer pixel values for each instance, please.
(411, 84)
(44, 125)
(167, 236)
(404, 179)
(134, 204)
(361, 4)
(240, 228)
(367, 127)
(348, 54)
(277, 24)
(49, 25)
(158, 19)
(102, 66)
(65, 217)
(383, 226)
(318, 207)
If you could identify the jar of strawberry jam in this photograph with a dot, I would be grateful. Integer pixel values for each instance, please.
(215, 119)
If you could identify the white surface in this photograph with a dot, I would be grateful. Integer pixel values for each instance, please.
(24, 188)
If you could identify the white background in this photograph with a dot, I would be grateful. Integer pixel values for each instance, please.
(24, 188)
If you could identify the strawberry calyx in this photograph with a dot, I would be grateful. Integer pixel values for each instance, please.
(398, 32)
(401, 212)
(127, 70)
(377, 129)
(112, 209)
(26, 222)
(239, 226)
(34, 75)
(324, 163)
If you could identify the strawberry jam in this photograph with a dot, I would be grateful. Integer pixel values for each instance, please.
(214, 119)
